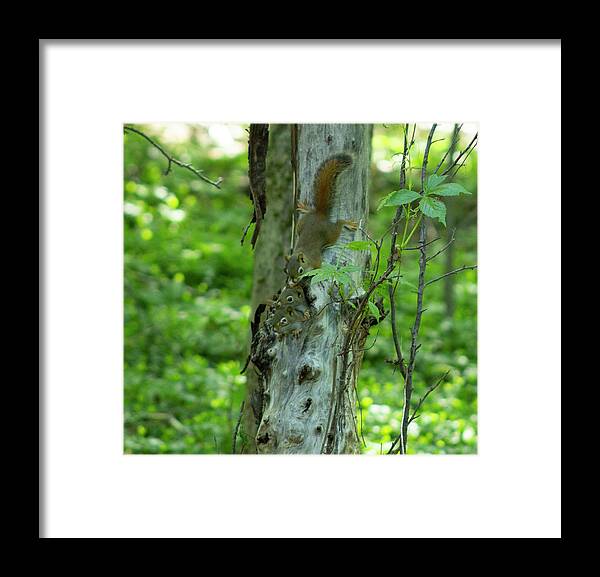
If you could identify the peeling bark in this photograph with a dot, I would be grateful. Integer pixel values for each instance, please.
(271, 246)
(257, 154)
(306, 381)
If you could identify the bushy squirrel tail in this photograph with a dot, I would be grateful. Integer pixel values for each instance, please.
(325, 181)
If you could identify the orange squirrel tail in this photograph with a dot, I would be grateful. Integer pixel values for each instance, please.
(325, 181)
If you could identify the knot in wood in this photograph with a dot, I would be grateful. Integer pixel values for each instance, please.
(308, 372)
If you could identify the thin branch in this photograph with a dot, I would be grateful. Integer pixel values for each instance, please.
(408, 383)
(394, 254)
(426, 244)
(237, 427)
(414, 415)
(465, 151)
(427, 393)
(464, 267)
(444, 247)
(172, 160)
(451, 147)
(462, 163)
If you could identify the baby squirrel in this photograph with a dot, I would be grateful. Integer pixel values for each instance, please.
(289, 310)
(315, 231)
(288, 319)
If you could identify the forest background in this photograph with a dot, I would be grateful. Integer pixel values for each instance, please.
(188, 289)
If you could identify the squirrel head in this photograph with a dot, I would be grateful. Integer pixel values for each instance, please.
(292, 295)
(285, 317)
(297, 265)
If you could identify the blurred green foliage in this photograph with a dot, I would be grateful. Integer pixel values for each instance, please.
(188, 290)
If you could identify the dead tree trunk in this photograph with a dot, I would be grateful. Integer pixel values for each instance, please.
(307, 380)
(272, 244)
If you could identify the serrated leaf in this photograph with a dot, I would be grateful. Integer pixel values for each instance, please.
(312, 272)
(434, 181)
(373, 309)
(344, 279)
(433, 208)
(326, 269)
(399, 198)
(384, 200)
(321, 276)
(450, 189)
(358, 245)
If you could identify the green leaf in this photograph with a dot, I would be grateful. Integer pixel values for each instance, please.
(450, 189)
(434, 181)
(433, 208)
(327, 269)
(322, 275)
(343, 278)
(358, 245)
(399, 198)
(373, 309)
(312, 272)
(349, 268)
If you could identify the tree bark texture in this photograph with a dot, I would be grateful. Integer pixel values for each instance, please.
(271, 246)
(306, 381)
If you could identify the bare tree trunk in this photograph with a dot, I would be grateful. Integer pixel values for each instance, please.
(269, 276)
(306, 381)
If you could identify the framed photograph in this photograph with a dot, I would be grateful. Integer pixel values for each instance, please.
(271, 291)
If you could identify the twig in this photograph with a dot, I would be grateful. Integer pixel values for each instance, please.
(444, 247)
(172, 160)
(414, 413)
(465, 151)
(428, 392)
(450, 148)
(426, 244)
(464, 267)
(237, 426)
(462, 163)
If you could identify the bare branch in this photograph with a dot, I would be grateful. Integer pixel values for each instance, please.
(237, 427)
(394, 254)
(463, 162)
(172, 160)
(427, 393)
(465, 151)
(419, 247)
(451, 147)
(464, 267)
(452, 239)
(408, 382)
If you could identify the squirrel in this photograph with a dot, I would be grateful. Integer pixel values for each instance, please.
(315, 231)
(289, 319)
(289, 310)
(288, 296)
